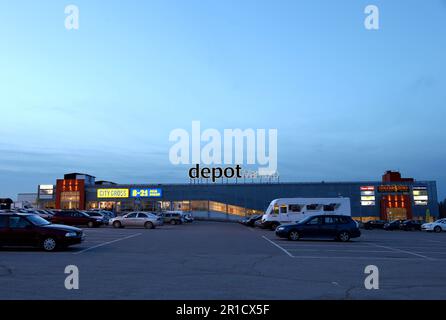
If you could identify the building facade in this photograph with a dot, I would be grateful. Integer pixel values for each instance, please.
(393, 197)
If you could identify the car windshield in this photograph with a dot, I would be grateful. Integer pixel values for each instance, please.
(37, 221)
(304, 220)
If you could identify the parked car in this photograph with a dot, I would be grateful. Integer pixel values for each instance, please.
(107, 213)
(41, 213)
(374, 224)
(250, 221)
(172, 217)
(437, 226)
(411, 225)
(259, 224)
(22, 229)
(187, 217)
(76, 218)
(341, 228)
(393, 225)
(137, 219)
(98, 215)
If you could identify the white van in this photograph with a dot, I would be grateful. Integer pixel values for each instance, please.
(292, 210)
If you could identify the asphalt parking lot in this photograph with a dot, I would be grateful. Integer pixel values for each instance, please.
(211, 260)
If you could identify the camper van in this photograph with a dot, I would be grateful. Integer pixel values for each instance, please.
(292, 210)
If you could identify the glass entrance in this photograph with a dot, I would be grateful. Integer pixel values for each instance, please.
(395, 207)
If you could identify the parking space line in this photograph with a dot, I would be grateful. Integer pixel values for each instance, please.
(107, 243)
(400, 250)
(275, 244)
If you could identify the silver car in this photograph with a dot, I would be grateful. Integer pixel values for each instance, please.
(137, 219)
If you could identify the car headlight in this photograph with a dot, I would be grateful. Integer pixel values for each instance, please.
(280, 228)
(70, 234)
(98, 220)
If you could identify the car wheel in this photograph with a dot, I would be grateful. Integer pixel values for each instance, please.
(344, 236)
(294, 235)
(49, 244)
(437, 229)
(173, 222)
(117, 224)
(90, 224)
(149, 225)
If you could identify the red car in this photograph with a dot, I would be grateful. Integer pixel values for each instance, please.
(76, 218)
(21, 229)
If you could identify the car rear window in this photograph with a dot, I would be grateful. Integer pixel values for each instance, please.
(18, 223)
(343, 219)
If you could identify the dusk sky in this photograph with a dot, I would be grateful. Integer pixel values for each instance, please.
(348, 103)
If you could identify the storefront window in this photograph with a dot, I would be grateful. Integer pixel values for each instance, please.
(235, 210)
(92, 205)
(251, 212)
(70, 199)
(165, 205)
(147, 206)
(199, 206)
(217, 206)
(181, 206)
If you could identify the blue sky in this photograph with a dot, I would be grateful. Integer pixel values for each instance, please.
(348, 103)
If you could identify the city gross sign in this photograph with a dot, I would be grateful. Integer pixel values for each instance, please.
(112, 193)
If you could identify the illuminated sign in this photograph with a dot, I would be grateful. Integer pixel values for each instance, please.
(146, 193)
(113, 193)
(393, 188)
(69, 185)
(420, 195)
(46, 191)
(367, 195)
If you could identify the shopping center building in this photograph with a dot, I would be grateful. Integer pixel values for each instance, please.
(393, 197)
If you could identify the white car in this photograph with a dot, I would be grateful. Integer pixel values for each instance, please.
(437, 226)
(137, 219)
